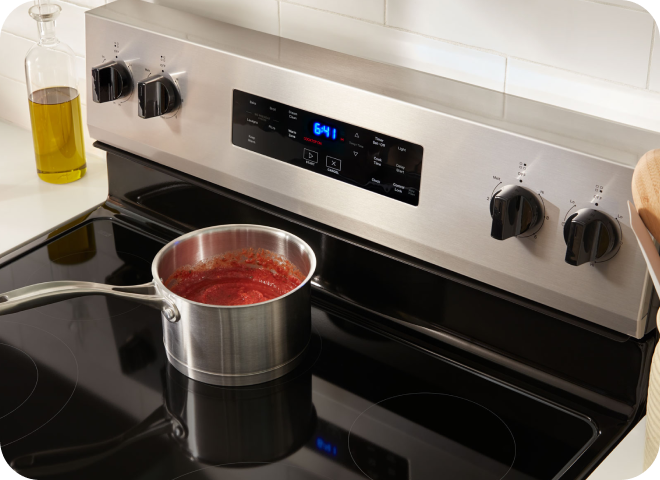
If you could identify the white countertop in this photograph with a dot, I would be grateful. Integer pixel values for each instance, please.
(30, 206)
(627, 459)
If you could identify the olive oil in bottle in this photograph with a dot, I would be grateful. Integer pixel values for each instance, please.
(57, 132)
(57, 128)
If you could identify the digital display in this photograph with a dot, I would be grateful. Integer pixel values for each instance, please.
(326, 131)
(364, 158)
(326, 447)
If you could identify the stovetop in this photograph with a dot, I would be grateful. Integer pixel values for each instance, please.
(87, 391)
(91, 369)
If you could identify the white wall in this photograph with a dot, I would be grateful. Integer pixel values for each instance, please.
(593, 56)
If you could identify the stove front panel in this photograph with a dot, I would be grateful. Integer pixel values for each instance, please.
(465, 161)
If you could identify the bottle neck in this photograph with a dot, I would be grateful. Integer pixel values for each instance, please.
(47, 33)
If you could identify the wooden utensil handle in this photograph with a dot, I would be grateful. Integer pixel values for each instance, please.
(646, 190)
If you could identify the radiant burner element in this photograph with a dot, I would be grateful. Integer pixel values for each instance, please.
(49, 396)
(15, 393)
(461, 439)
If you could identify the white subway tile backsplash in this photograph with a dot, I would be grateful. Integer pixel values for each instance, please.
(70, 25)
(12, 55)
(586, 37)
(371, 10)
(261, 15)
(14, 108)
(609, 39)
(13, 102)
(654, 74)
(637, 107)
(86, 3)
(392, 46)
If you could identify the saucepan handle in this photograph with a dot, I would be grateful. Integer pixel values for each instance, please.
(50, 292)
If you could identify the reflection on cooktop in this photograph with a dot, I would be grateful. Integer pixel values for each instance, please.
(118, 410)
(457, 437)
(253, 471)
(46, 396)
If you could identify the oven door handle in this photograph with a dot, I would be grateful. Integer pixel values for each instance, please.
(46, 293)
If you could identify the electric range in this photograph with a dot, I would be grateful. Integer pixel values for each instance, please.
(467, 321)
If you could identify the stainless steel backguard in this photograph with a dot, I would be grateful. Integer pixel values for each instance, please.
(473, 139)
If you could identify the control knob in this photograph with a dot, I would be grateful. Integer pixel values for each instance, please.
(515, 211)
(111, 81)
(157, 96)
(591, 236)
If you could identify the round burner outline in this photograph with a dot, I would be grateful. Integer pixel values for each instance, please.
(515, 447)
(134, 305)
(35, 383)
(75, 386)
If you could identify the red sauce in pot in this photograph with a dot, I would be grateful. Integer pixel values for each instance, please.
(236, 278)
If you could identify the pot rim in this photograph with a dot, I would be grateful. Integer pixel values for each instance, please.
(156, 261)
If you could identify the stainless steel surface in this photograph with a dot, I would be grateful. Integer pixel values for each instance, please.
(473, 139)
(221, 345)
(240, 345)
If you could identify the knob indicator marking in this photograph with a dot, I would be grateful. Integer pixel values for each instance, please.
(111, 81)
(591, 236)
(515, 211)
(157, 96)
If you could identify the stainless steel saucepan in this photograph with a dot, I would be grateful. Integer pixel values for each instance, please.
(221, 345)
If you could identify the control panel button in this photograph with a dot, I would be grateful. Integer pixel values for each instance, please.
(376, 156)
(310, 155)
(404, 158)
(333, 163)
(325, 146)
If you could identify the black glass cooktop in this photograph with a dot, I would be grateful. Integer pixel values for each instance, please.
(87, 393)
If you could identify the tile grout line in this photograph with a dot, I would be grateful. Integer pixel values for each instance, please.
(648, 73)
(2, 30)
(2, 75)
(333, 13)
(606, 80)
(279, 18)
(6, 32)
(470, 47)
(385, 12)
(615, 6)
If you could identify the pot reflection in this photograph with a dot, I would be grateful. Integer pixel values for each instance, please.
(229, 426)
(221, 425)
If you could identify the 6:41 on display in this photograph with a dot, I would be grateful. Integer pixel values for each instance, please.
(325, 130)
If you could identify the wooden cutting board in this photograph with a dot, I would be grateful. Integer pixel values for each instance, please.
(646, 191)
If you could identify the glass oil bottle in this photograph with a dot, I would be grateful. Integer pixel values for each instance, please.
(57, 128)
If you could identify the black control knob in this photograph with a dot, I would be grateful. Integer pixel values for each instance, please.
(111, 81)
(157, 96)
(515, 211)
(591, 236)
